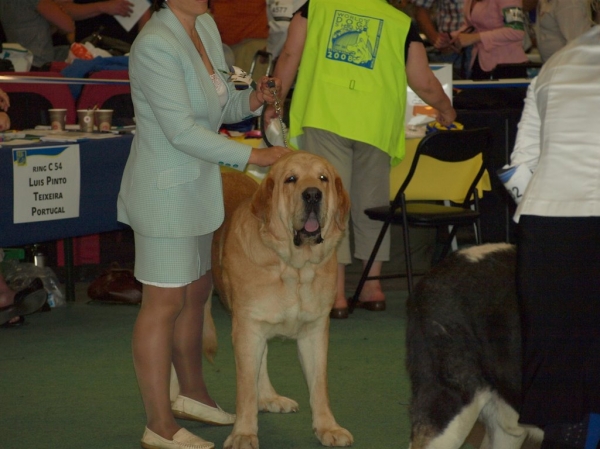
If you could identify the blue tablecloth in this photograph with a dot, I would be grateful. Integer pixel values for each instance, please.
(102, 162)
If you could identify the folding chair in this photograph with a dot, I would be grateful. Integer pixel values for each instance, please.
(424, 207)
(258, 57)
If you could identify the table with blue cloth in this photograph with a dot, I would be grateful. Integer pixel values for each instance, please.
(101, 167)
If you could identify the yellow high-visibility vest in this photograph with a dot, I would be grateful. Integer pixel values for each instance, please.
(352, 78)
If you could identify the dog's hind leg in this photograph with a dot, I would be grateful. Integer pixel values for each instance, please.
(268, 399)
(173, 385)
(502, 425)
(457, 430)
(209, 331)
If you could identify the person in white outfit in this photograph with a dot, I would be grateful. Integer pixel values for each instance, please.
(558, 247)
(279, 15)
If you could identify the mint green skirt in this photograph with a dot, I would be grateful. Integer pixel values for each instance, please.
(176, 261)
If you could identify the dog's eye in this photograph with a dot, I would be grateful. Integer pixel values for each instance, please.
(324, 178)
(291, 179)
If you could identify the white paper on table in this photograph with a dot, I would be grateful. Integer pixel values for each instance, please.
(139, 8)
(16, 142)
(420, 120)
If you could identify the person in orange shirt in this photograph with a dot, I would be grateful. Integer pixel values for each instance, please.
(243, 26)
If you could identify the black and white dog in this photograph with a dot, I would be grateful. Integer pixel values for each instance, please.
(464, 351)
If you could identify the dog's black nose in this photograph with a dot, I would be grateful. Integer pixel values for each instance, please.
(312, 195)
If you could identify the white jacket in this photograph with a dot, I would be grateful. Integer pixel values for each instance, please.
(559, 133)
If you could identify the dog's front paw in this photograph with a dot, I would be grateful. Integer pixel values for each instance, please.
(234, 441)
(277, 404)
(337, 436)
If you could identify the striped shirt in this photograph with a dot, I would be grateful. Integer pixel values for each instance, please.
(449, 13)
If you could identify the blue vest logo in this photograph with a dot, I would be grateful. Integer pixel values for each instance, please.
(354, 39)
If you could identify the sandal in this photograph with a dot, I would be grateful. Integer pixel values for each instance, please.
(7, 313)
(27, 301)
(20, 322)
(31, 299)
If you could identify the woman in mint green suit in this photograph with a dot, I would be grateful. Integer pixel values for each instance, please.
(171, 196)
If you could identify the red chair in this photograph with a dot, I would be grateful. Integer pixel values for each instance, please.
(58, 66)
(87, 248)
(99, 94)
(58, 95)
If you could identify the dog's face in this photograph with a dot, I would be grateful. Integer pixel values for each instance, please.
(302, 200)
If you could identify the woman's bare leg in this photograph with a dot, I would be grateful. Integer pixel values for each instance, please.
(153, 351)
(187, 344)
(7, 296)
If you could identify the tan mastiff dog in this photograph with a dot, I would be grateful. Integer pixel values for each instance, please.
(275, 268)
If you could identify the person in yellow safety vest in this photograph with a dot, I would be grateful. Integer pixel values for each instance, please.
(355, 59)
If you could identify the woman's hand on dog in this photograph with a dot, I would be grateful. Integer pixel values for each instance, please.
(264, 157)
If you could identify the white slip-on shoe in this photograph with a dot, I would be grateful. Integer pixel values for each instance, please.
(186, 408)
(181, 440)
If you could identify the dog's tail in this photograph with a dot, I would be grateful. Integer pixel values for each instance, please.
(209, 332)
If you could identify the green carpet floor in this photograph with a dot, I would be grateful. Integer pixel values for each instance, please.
(67, 381)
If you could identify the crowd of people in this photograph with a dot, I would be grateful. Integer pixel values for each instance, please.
(171, 194)
(472, 35)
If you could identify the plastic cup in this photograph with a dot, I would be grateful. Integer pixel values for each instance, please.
(58, 119)
(86, 120)
(104, 119)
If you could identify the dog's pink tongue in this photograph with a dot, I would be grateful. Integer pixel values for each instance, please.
(311, 224)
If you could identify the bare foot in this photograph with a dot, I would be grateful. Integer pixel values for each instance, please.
(7, 298)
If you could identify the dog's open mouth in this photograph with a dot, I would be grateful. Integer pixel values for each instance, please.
(310, 232)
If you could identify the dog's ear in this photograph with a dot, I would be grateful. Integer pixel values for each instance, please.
(260, 205)
(341, 216)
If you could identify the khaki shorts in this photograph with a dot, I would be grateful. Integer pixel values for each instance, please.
(171, 260)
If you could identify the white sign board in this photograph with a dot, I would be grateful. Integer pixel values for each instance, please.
(46, 183)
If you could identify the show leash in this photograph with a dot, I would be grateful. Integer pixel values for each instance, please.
(278, 110)
(238, 75)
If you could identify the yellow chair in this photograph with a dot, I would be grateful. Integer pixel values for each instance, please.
(447, 166)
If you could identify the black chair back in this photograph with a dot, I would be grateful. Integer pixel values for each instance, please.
(28, 109)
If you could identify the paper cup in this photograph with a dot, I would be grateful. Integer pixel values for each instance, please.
(58, 118)
(86, 120)
(104, 119)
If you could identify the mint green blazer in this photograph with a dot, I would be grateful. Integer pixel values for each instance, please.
(171, 185)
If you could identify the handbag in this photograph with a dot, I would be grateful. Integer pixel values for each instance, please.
(116, 285)
(116, 47)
